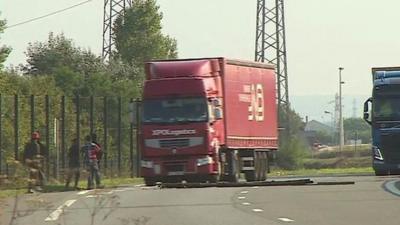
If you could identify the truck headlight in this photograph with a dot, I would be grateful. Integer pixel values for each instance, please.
(147, 164)
(204, 161)
(377, 153)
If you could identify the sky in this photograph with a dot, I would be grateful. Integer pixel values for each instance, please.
(322, 35)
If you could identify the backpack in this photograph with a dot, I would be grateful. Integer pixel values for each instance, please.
(99, 151)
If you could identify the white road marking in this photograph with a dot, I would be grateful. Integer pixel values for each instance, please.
(285, 219)
(241, 197)
(130, 189)
(83, 192)
(119, 190)
(139, 185)
(257, 210)
(70, 202)
(91, 196)
(244, 192)
(255, 187)
(246, 203)
(56, 214)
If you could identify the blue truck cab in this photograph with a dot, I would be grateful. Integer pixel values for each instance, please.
(384, 118)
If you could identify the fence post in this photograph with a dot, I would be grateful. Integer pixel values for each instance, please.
(47, 106)
(119, 134)
(78, 118)
(105, 133)
(32, 114)
(1, 140)
(131, 142)
(56, 135)
(16, 127)
(138, 155)
(91, 112)
(63, 152)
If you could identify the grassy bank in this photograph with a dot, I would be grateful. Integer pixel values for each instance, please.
(55, 186)
(320, 172)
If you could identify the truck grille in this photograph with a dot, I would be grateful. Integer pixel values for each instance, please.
(391, 148)
(168, 143)
(174, 143)
(175, 168)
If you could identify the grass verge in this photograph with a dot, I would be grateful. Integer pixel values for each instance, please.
(319, 172)
(55, 186)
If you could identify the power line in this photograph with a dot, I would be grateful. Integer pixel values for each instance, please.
(49, 14)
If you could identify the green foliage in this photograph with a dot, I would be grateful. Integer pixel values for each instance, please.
(4, 50)
(357, 127)
(291, 154)
(323, 137)
(60, 52)
(138, 35)
(292, 146)
(326, 172)
(348, 152)
(76, 71)
(57, 67)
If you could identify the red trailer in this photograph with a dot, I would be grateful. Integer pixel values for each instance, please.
(207, 119)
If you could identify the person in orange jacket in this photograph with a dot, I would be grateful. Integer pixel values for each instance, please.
(35, 154)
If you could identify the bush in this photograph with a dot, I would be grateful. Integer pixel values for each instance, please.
(359, 162)
(18, 176)
(348, 151)
(291, 154)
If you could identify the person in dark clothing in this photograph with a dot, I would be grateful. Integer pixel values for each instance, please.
(73, 164)
(91, 152)
(35, 154)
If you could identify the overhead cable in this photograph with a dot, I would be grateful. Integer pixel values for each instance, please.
(49, 14)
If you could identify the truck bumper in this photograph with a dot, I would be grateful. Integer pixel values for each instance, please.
(185, 168)
(382, 167)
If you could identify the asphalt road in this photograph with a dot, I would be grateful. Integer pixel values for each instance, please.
(370, 201)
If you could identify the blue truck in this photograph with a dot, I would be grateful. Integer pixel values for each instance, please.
(382, 112)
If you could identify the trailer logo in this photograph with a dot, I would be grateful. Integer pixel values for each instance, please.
(173, 132)
(254, 95)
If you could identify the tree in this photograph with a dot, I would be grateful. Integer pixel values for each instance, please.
(292, 144)
(138, 35)
(357, 127)
(4, 50)
(48, 57)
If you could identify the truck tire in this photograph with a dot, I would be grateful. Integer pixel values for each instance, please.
(258, 165)
(250, 176)
(254, 175)
(381, 172)
(149, 181)
(213, 179)
(264, 166)
(232, 165)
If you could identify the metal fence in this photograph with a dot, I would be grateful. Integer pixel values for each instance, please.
(59, 119)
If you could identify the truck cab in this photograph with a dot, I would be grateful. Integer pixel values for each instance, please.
(181, 123)
(384, 118)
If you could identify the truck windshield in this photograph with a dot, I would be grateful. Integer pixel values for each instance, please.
(387, 107)
(174, 110)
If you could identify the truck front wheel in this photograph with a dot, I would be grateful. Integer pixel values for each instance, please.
(381, 172)
(250, 176)
(149, 181)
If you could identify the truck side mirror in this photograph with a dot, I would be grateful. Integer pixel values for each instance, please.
(216, 102)
(366, 110)
(217, 113)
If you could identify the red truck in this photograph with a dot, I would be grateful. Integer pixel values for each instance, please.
(207, 120)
